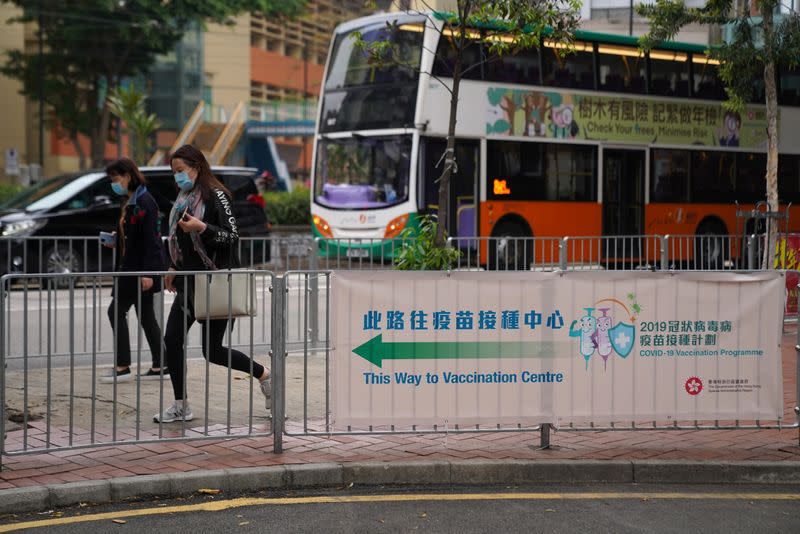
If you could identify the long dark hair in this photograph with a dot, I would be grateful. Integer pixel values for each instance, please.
(206, 180)
(124, 166)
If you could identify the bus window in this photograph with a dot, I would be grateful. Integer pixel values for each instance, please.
(789, 178)
(758, 96)
(471, 60)
(707, 84)
(521, 68)
(541, 171)
(360, 95)
(575, 70)
(362, 173)
(790, 87)
(670, 176)
(713, 176)
(621, 69)
(669, 73)
(750, 184)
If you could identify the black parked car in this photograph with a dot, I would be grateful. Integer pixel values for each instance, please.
(81, 205)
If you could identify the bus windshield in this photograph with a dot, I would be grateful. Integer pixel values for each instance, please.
(363, 172)
(362, 95)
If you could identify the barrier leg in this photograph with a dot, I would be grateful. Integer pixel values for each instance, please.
(544, 436)
(797, 379)
(278, 354)
(313, 298)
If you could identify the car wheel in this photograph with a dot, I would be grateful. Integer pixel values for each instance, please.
(510, 248)
(62, 259)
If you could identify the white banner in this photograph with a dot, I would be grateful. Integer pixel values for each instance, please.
(470, 348)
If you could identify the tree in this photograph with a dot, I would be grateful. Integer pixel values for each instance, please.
(91, 45)
(507, 27)
(129, 107)
(759, 45)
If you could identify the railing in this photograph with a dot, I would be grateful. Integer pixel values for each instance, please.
(55, 337)
(229, 136)
(60, 398)
(283, 111)
(313, 415)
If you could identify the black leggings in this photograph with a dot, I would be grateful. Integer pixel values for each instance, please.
(118, 315)
(175, 337)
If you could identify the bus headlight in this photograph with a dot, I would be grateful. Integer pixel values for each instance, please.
(323, 227)
(395, 226)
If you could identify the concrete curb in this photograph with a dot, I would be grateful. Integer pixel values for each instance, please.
(406, 473)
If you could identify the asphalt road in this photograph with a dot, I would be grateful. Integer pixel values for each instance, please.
(729, 509)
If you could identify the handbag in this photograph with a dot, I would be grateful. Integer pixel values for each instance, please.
(211, 299)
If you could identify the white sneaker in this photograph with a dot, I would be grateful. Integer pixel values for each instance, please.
(266, 389)
(112, 375)
(176, 412)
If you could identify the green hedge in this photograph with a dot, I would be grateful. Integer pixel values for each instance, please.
(289, 208)
(7, 191)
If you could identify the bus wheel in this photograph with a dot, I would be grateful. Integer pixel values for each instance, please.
(710, 245)
(510, 248)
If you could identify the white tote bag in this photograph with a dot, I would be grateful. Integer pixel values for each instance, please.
(211, 297)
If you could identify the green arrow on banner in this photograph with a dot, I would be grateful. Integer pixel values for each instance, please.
(375, 350)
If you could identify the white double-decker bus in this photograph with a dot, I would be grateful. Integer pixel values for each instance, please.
(607, 141)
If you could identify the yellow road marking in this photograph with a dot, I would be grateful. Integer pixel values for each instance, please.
(216, 506)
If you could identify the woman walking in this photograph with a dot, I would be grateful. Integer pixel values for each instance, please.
(202, 237)
(137, 248)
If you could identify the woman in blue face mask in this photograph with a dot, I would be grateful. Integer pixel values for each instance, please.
(203, 235)
(137, 248)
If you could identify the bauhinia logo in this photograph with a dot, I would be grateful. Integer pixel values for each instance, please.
(693, 386)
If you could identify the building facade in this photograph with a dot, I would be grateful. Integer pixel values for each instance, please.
(276, 68)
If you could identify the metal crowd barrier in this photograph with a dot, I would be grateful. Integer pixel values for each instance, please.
(76, 254)
(309, 413)
(55, 399)
(70, 254)
(55, 338)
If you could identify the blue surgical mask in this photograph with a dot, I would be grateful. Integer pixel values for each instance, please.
(183, 181)
(118, 189)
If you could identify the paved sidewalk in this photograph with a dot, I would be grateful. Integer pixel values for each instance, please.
(175, 457)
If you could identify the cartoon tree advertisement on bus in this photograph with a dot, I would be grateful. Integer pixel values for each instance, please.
(557, 115)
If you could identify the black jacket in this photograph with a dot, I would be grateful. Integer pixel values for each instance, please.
(142, 250)
(220, 237)
(139, 246)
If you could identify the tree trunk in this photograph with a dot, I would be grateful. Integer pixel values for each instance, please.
(771, 95)
(100, 137)
(443, 215)
(73, 137)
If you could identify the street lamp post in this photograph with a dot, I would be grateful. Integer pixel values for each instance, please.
(41, 86)
(630, 19)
